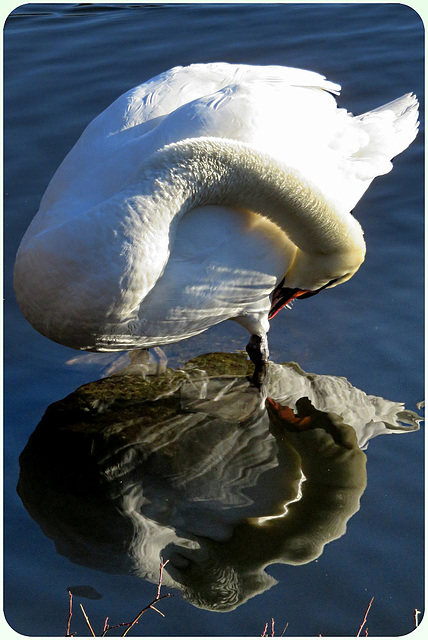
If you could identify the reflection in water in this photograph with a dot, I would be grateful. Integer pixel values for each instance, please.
(196, 466)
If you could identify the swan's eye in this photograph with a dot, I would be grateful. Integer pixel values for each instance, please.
(340, 279)
(308, 294)
(332, 282)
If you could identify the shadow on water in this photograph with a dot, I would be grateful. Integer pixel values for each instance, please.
(200, 468)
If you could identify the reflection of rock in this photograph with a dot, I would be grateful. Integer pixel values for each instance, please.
(191, 466)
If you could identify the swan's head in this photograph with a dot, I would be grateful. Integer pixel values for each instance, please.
(310, 273)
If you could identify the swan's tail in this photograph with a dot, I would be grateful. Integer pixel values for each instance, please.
(393, 126)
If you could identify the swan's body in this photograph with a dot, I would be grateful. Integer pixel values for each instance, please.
(195, 197)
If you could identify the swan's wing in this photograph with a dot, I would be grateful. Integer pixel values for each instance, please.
(362, 148)
(288, 113)
(302, 127)
(178, 86)
(221, 266)
(217, 99)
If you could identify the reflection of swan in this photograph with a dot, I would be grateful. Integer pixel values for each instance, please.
(109, 263)
(191, 466)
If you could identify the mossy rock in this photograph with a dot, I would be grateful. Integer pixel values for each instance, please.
(126, 397)
(222, 364)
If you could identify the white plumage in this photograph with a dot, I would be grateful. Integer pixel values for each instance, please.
(196, 196)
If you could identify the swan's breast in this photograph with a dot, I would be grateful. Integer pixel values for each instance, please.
(73, 279)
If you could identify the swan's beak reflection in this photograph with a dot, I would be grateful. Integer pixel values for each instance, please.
(196, 466)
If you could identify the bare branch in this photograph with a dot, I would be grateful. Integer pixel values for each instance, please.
(417, 612)
(157, 610)
(365, 618)
(157, 599)
(70, 613)
(114, 626)
(161, 567)
(149, 606)
(87, 621)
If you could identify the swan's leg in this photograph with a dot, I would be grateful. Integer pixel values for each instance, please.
(258, 350)
(161, 360)
(154, 360)
(139, 356)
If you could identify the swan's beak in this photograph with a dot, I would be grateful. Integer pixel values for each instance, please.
(283, 296)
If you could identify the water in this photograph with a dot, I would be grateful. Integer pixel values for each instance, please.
(63, 65)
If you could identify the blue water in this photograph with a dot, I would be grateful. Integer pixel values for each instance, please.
(63, 65)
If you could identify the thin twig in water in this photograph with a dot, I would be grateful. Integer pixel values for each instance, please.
(115, 626)
(129, 625)
(417, 612)
(161, 566)
(365, 618)
(150, 606)
(70, 613)
(87, 621)
(272, 633)
(157, 611)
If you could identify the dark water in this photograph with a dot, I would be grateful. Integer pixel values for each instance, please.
(63, 65)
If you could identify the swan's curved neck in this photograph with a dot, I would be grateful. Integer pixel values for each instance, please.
(60, 273)
(203, 171)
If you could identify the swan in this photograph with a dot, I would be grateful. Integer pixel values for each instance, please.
(211, 192)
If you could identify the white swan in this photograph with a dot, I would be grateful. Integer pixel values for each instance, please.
(194, 198)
